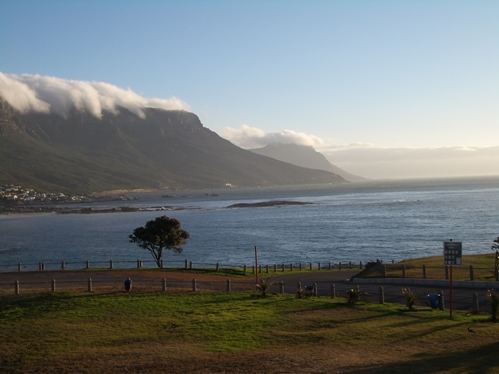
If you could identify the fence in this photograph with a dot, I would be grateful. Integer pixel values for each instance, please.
(463, 299)
(465, 272)
(179, 265)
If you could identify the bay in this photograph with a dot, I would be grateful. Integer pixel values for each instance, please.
(358, 222)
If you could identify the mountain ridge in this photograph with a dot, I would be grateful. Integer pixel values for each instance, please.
(304, 156)
(168, 149)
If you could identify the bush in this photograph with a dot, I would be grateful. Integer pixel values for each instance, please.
(353, 295)
(494, 304)
(410, 298)
(263, 286)
(300, 292)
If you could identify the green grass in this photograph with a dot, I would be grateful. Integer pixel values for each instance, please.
(56, 329)
(479, 260)
(483, 268)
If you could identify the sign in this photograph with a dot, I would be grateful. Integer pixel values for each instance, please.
(453, 253)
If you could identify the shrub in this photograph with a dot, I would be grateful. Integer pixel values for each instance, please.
(300, 292)
(410, 297)
(353, 295)
(263, 286)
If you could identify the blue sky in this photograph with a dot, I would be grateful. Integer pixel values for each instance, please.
(387, 73)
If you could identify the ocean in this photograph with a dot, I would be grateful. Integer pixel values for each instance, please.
(357, 222)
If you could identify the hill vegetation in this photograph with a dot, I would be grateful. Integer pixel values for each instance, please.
(164, 150)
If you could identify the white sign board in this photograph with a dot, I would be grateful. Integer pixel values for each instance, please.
(453, 253)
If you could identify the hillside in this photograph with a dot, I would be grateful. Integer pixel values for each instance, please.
(304, 156)
(166, 149)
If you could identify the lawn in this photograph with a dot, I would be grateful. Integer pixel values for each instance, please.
(237, 332)
(483, 268)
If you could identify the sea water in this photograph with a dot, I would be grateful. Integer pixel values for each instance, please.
(358, 222)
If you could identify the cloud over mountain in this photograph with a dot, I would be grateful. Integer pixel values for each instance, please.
(39, 93)
(253, 137)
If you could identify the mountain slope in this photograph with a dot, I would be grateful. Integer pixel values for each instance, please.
(304, 156)
(166, 149)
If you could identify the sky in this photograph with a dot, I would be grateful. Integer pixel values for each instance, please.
(343, 76)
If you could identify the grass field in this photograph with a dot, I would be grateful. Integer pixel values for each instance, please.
(236, 332)
(483, 268)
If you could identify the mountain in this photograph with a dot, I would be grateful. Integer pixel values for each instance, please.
(80, 152)
(304, 156)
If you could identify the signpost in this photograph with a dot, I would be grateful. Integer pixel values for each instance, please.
(495, 247)
(453, 255)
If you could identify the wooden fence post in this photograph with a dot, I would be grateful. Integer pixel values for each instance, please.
(282, 267)
(18, 267)
(275, 268)
(360, 265)
(329, 266)
(228, 286)
(281, 287)
(476, 303)
(260, 269)
(472, 275)
(381, 295)
(310, 265)
(110, 264)
(350, 264)
(90, 287)
(333, 290)
(299, 266)
(442, 300)
(138, 264)
(217, 267)
(315, 289)
(17, 288)
(185, 264)
(161, 264)
(244, 268)
(339, 265)
(318, 266)
(194, 285)
(190, 265)
(87, 265)
(267, 268)
(163, 284)
(424, 271)
(53, 285)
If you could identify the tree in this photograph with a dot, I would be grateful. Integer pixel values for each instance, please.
(159, 234)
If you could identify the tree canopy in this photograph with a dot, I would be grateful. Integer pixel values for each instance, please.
(159, 234)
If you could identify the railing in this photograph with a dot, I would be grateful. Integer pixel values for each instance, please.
(464, 272)
(467, 300)
(111, 264)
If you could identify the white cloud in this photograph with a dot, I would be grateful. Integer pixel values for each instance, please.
(253, 137)
(40, 93)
